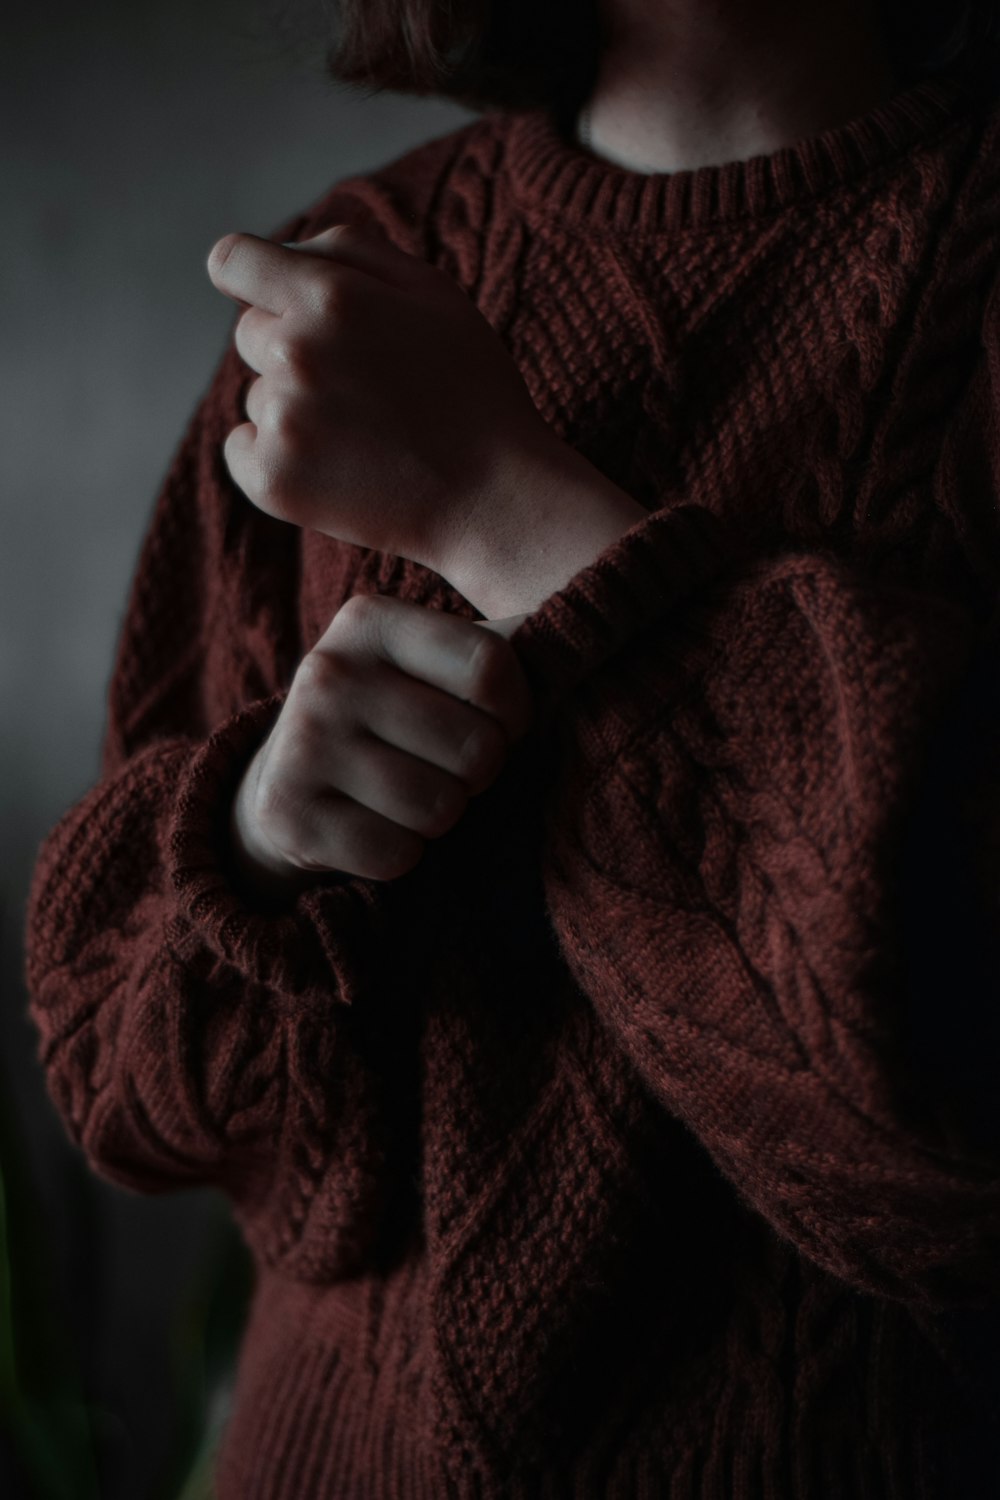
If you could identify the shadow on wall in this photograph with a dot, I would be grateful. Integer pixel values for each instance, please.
(135, 136)
(54, 1435)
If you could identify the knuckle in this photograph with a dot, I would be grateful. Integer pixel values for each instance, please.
(359, 606)
(291, 825)
(293, 835)
(327, 293)
(290, 354)
(277, 815)
(319, 675)
(361, 617)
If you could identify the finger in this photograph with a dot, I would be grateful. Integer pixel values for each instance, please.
(261, 273)
(254, 337)
(446, 651)
(368, 250)
(433, 726)
(343, 835)
(242, 459)
(402, 788)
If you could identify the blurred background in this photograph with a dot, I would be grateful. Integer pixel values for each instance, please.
(135, 135)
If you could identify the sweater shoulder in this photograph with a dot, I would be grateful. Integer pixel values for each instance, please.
(411, 197)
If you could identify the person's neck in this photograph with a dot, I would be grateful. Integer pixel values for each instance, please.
(684, 84)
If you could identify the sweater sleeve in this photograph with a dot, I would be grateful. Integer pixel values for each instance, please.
(188, 1035)
(733, 803)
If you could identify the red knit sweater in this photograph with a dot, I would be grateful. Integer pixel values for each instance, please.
(637, 1143)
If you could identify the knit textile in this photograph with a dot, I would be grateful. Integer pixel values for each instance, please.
(642, 1141)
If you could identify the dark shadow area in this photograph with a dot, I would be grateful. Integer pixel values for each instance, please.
(135, 136)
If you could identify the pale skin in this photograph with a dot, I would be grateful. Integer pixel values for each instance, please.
(693, 83)
(389, 414)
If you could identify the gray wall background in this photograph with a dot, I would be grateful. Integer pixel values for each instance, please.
(135, 134)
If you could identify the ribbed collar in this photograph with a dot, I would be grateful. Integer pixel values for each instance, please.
(549, 172)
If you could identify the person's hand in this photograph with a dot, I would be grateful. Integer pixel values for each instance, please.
(396, 717)
(387, 409)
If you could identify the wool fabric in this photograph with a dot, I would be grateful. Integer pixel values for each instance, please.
(641, 1141)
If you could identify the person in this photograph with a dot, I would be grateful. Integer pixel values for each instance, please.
(543, 864)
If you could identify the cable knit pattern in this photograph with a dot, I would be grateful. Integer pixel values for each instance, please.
(643, 1140)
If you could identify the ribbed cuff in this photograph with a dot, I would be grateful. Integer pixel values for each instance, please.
(320, 948)
(663, 560)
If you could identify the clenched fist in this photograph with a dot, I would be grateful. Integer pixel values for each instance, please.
(396, 717)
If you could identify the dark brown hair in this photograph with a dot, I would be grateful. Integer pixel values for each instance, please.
(514, 54)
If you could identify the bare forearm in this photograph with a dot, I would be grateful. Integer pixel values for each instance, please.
(553, 515)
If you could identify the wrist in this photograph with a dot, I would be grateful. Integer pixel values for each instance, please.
(551, 515)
